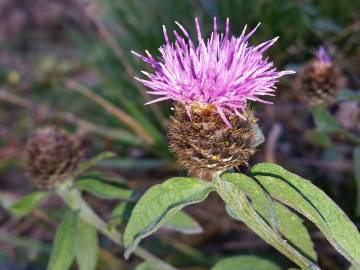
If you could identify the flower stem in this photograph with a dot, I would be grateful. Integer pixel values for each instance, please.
(72, 198)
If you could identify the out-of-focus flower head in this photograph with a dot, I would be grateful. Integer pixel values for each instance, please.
(319, 81)
(223, 71)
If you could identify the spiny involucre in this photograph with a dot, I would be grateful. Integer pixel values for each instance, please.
(224, 71)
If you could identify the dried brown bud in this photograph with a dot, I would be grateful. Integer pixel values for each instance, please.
(204, 144)
(319, 83)
(51, 157)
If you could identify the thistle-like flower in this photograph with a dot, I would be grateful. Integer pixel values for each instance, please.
(223, 71)
(211, 83)
(319, 81)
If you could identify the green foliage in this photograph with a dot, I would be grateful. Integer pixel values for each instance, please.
(306, 198)
(63, 252)
(184, 223)
(23, 242)
(104, 190)
(349, 95)
(256, 201)
(86, 246)
(86, 165)
(356, 157)
(245, 263)
(28, 203)
(159, 204)
(120, 214)
(181, 221)
(319, 138)
(281, 219)
(292, 228)
(232, 192)
(144, 266)
(324, 121)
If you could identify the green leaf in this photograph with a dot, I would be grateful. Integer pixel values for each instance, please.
(184, 223)
(86, 246)
(292, 228)
(325, 121)
(353, 268)
(84, 166)
(181, 221)
(159, 204)
(356, 157)
(313, 203)
(104, 190)
(348, 95)
(63, 253)
(130, 164)
(281, 219)
(28, 203)
(319, 138)
(245, 263)
(144, 266)
(23, 242)
(235, 189)
(120, 213)
(98, 175)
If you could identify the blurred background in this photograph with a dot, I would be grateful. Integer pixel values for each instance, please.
(68, 63)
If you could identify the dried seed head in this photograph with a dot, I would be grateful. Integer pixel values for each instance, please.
(204, 144)
(319, 82)
(51, 157)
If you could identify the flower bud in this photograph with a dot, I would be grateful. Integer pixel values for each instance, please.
(51, 157)
(204, 144)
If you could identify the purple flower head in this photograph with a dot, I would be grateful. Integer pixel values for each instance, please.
(223, 70)
(322, 55)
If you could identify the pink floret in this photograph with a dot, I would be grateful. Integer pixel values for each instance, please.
(223, 70)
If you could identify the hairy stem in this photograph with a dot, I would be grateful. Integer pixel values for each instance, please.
(72, 197)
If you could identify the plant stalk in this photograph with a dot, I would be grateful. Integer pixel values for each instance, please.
(72, 198)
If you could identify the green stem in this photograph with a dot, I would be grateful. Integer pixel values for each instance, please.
(241, 207)
(72, 197)
(350, 136)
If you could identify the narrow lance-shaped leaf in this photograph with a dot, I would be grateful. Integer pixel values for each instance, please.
(181, 221)
(278, 216)
(28, 203)
(356, 157)
(144, 266)
(159, 204)
(325, 121)
(63, 253)
(303, 196)
(84, 166)
(245, 263)
(239, 207)
(104, 190)
(86, 246)
(184, 223)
